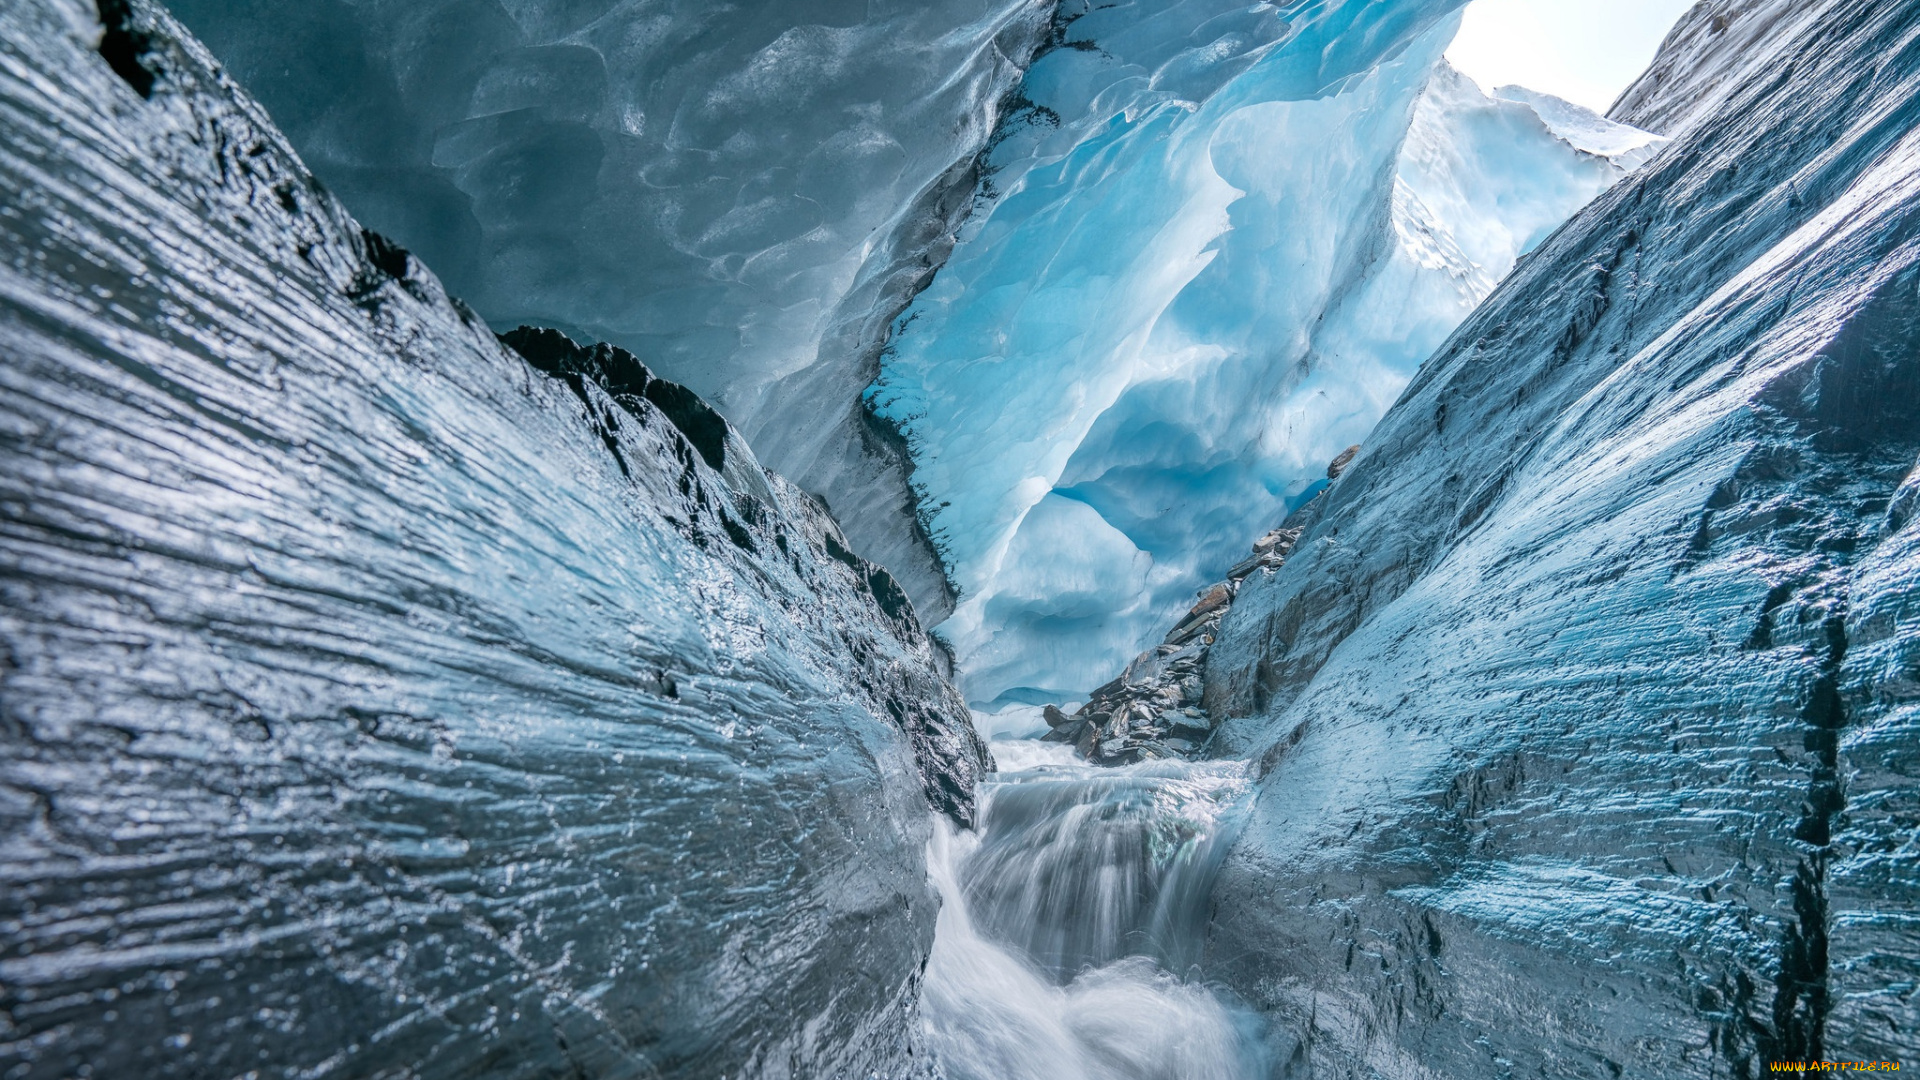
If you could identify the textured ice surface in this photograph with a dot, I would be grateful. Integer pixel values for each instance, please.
(1586, 713)
(742, 193)
(1715, 47)
(373, 704)
(1203, 276)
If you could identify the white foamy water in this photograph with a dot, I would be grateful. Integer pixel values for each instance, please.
(1067, 915)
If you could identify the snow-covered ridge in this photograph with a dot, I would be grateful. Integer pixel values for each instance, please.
(373, 703)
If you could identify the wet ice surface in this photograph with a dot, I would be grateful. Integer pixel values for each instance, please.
(374, 704)
(1071, 919)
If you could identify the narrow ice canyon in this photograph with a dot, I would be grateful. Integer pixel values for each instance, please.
(968, 540)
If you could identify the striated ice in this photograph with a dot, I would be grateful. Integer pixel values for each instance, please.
(377, 702)
(1588, 704)
(1716, 47)
(1202, 276)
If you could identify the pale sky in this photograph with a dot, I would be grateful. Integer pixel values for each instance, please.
(1586, 51)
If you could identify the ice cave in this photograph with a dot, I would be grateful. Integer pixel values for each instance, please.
(959, 539)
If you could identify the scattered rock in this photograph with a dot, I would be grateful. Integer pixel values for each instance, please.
(1268, 553)
(1339, 464)
(1153, 709)
(1216, 598)
(1085, 742)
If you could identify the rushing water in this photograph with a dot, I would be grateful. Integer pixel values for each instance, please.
(1068, 917)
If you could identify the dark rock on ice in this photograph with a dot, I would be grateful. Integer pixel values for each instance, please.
(1212, 600)
(1339, 464)
(623, 375)
(373, 704)
(125, 45)
(1153, 710)
(1189, 723)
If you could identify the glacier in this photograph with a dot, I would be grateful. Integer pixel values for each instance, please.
(392, 687)
(1191, 289)
(379, 700)
(1582, 715)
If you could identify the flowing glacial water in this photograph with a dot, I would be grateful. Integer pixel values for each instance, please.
(1072, 919)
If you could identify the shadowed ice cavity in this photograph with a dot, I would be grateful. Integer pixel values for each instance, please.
(1064, 915)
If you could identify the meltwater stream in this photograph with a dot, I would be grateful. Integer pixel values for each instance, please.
(1070, 916)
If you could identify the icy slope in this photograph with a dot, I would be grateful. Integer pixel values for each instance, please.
(1193, 289)
(1714, 48)
(379, 703)
(1585, 709)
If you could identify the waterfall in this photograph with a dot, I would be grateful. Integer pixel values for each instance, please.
(1072, 919)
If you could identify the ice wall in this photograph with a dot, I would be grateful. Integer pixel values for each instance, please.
(1200, 278)
(1189, 234)
(377, 702)
(1587, 706)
